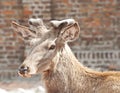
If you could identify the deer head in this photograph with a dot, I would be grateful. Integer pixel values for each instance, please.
(45, 43)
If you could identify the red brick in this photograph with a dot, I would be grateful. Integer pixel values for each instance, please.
(117, 13)
(67, 2)
(2, 25)
(97, 33)
(9, 3)
(27, 12)
(111, 1)
(8, 12)
(96, 22)
(95, 1)
(10, 47)
(1, 39)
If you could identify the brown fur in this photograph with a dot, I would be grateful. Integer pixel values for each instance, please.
(61, 71)
(71, 77)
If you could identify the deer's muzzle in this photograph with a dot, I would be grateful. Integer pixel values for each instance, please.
(24, 71)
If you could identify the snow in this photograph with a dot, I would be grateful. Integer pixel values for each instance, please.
(39, 89)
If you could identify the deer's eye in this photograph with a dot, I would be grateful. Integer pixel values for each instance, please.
(52, 47)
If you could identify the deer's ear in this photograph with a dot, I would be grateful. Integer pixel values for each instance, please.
(23, 31)
(70, 33)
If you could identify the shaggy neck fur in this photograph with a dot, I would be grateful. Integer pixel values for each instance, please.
(66, 74)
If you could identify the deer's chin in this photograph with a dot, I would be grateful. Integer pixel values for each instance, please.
(25, 75)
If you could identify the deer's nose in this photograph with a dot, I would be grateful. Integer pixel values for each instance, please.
(24, 69)
(30, 22)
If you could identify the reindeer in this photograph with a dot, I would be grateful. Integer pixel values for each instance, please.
(51, 57)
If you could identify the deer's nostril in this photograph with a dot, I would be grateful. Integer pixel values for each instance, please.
(30, 22)
(23, 69)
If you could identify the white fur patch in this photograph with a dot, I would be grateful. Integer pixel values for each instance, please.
(34, 41)
(38, 20)
(57, 23)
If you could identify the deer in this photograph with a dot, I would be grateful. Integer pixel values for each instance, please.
(51, 56)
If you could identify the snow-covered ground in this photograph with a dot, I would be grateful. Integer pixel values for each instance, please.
(39, 89)
(22, 85)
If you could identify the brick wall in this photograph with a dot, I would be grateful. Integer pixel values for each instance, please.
(99, 42)
(100, 30)
(11, 47)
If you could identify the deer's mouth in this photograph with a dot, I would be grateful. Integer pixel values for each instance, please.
(26, 75)
(24, 71)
